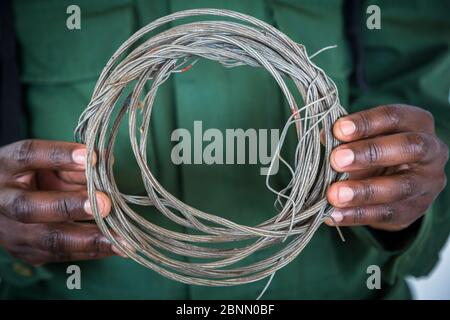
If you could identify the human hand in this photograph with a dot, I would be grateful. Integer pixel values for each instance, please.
(396, 166)
(43, 200)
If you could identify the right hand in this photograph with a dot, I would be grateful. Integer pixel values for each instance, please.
(42, 195)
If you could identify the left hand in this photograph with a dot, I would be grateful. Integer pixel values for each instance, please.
(396, 165)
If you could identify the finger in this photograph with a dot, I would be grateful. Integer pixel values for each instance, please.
(392, 216)
(380, 190)
(50, 206)
(66, 238)
(72, 177)
(42, 154)
(69, 241)
(48, 180)
(382, 120)
(385, 151)
(32, 242)
(367, 173)
(38, 257)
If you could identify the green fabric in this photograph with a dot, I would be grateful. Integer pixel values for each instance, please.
(407, 61)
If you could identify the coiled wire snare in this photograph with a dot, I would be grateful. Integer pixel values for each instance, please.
(303, 205)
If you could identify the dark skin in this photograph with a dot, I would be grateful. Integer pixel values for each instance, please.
(396, 165)
(43, 203)
(395, 160)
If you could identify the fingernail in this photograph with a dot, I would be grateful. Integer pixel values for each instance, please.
(345, 194)
(337, 216)
(100, 203)
(334, 218)
(87, 207)
(347, 127)
(118, 252)
(344, 157)
(79, 156)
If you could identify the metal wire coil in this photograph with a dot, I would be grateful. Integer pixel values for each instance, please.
(303, 206)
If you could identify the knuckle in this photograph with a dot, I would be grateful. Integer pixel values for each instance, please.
(22, 208)
(367, 191)
(53, 241)
(62, 208)
(358, 215)
(391, 115)
(386, 214)
(417, 144)
(22, 152)
(58, 156)
(97, 243)
(373, 153)
(426, 117)
(407, 185)
(362, 124)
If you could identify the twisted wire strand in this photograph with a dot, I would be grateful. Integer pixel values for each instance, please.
(302, 204)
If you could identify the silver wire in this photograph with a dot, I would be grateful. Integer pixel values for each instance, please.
(243, 40)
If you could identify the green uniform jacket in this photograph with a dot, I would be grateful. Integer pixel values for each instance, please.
(407, 61)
